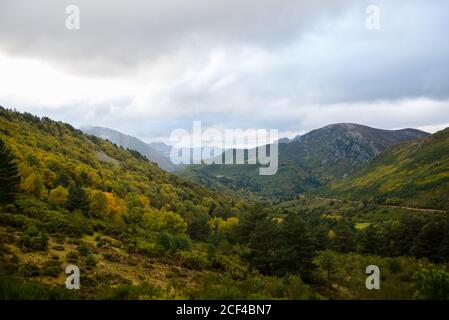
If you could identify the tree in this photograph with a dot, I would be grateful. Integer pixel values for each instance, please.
(9, 174)
(295, 246)
(345, 236)
(58, 197)
(77, 200)
(263, 243)
(134, 200)
(199, 227)
(371, 241)
(163, 220)
(33, 185)
(432, 284)
(98, 205)
(326, 262)
(428, 241)
(320, 236)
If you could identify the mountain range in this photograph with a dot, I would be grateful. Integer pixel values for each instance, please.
(307, 162)
(137, 231)
(414, 174)
(156, 152)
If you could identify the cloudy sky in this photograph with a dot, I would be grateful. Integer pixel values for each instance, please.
(148, 67)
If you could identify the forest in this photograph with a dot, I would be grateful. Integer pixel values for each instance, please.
(138, 232)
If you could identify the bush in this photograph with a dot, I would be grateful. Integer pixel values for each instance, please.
(432, 284)
(14, 289)
(28, 270)
(195, 259)
(14, 220)
(170, 244)
(90, 261)
(51, 269)
(83, 249)
(33, 239)
(129, 292)
(72, 257)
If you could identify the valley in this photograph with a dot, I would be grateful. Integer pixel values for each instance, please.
(139, 232)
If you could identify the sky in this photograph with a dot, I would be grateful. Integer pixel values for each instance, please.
(146, 68)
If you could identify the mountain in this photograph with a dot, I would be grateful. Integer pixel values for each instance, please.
(161, 148)
(337, 150)
(135, 231)
(121, 219)
(414, 174)
(155, 152)
(309, 161)
(288, 140)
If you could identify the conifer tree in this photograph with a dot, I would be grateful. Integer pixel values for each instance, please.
(9, 175)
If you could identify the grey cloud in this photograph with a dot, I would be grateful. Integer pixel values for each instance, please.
(292, 65)
(122, 34)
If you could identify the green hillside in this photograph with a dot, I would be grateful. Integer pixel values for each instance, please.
(310, 161)
(138, 232)
(413, 174)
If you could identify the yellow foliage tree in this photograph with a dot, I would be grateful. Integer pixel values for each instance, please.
(58, 197)
(221, 227)
(33, 185)
(98, 204)
(163, 220)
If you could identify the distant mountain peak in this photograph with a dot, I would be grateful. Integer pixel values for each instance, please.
(154, 154)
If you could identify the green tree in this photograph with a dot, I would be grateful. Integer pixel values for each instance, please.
(428, 241)
(33, 185)
(263, 246)
(320, 236)
(295, 246)
(9, 175)
(98, 205)
(345, 237)
(371, 241)
(327, 264)
(432, 284)
(199, 228)
(77, 200)
(58, 197)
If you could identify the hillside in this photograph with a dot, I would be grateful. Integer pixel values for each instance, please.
(84, 201)
(155, 153)
(307, 162)
(412, 174)
(138, 232)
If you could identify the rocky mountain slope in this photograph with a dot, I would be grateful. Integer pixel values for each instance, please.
(314, 159)
(154, 152)
(412, 174)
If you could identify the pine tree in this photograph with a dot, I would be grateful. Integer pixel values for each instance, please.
(77, 200)
(9, 175)
(345, 237)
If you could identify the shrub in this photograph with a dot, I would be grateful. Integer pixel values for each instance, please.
(51, 269)
(72, 257)
(33, 239)
(90, 261)
(58, 197)
(83, 249)
(28, 270)
(432, 284)
(195, 259)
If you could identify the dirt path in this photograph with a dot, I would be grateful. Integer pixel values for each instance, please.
(387, 206)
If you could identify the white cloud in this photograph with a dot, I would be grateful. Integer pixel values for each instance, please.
(148, 67)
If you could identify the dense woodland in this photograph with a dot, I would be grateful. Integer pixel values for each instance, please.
(138, 232)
